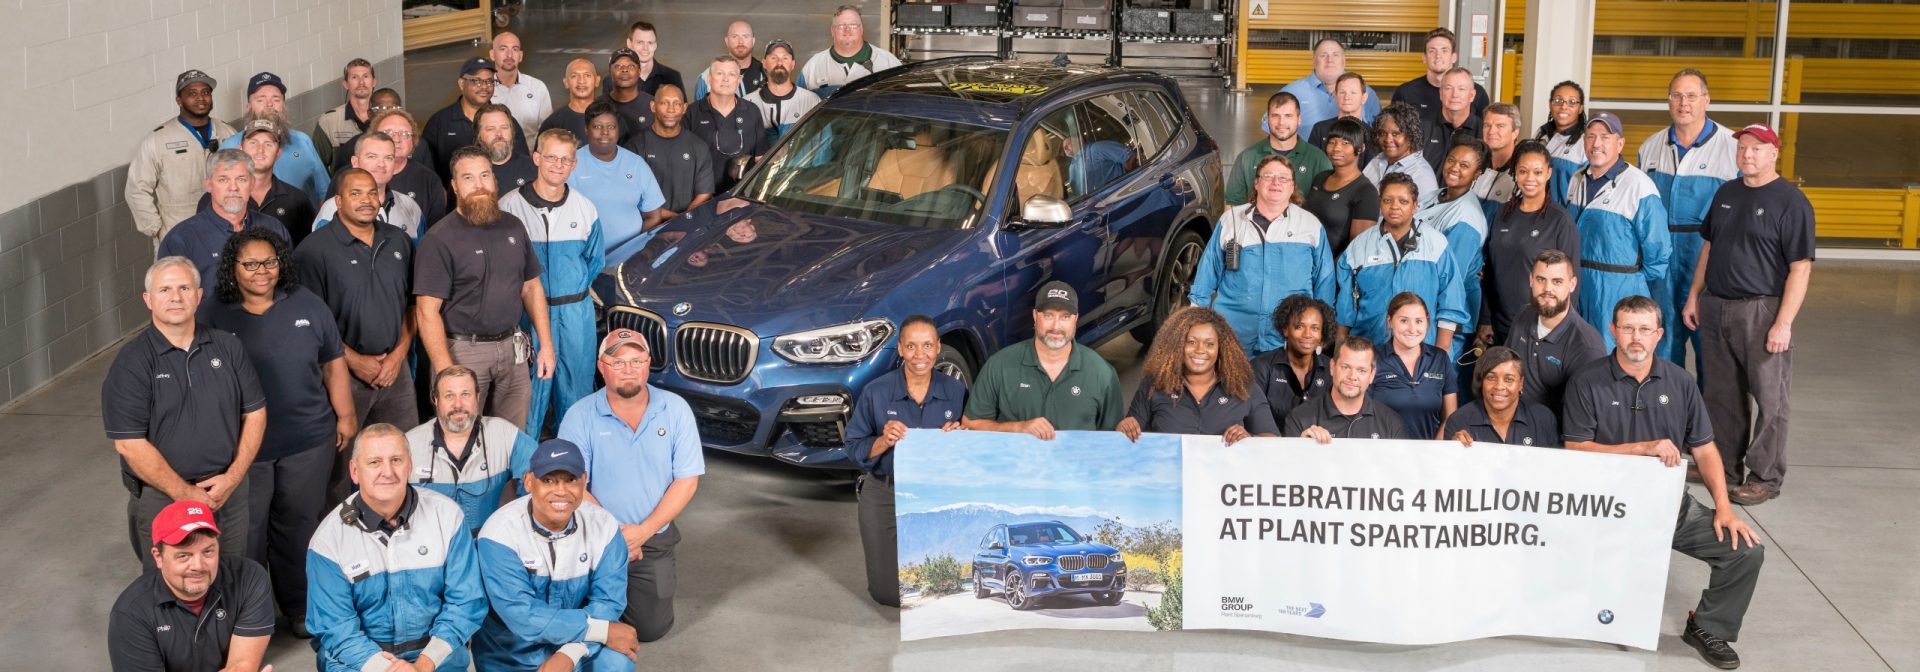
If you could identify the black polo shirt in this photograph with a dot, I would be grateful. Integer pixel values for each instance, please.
(635, 115)
(682, 164)
(288, 347)
(1012, 387)
(1533, 425)
(729, 136)
(150, 629)
(426, 188)
(1546, 362)
(202, 237)
(1757, 233)
(1425, 97)
(368, 288)
(449, 130)
(662, 76)
(187, 403)
(478, 271)
(1180, 412)
(1513, 240)
(1374, 421)
(517, 172)
(285, 203)
(1439, 135)
(1606, 405)
(1284, 390)
(887, 399)
(564, 117)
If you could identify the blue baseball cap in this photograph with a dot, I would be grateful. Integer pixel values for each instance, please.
(557, 455)
(266, 79)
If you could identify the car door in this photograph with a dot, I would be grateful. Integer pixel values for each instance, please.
(1074, 252)
(1138, 204)
(989, 560)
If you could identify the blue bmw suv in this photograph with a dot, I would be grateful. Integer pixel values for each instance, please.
(1027, 562)
(953, 188)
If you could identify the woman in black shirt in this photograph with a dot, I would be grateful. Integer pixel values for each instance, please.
(1342, 198)
(1196, 381)
(1521, 229)
(1296, 372)
(1499, 415)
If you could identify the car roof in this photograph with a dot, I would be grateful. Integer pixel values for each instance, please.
(972, 89)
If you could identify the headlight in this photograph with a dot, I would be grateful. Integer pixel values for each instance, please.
(837, 344)
(1116, 557)
(1035, 562)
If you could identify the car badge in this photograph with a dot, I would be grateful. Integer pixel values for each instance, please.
(682, 308)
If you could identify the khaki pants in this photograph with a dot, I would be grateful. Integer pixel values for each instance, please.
(503, 381)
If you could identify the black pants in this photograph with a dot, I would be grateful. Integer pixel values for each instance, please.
(1723, 605)
(143, 503)
(650, 586)
(287, 498)
(879, 540)
(1733, 345)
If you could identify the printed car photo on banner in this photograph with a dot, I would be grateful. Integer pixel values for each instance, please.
(1004, 531)
(1397, 542)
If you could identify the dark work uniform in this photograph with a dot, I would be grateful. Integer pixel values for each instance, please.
(1439, 135)
(650, 82)
(478, 271)
(1606, 405)
(883, 400)
(1419, 396)
(289, 346)
(1337, 209)
(285, 203)
(1514, 238)
(1425, 97)
(1013, 387)
(1374, 421)
(1284, 389)
(1318, 135)
(151, 629)
(189, 404)
(635, 115)
(426, 188)
(1548, 361)
(449, 130)
(1163, 412)
(739, 134)
(1533, 425)
(517, 172)
(202, 237)
(564, 117)
(1756, 234)
(369, 290)
(682, 164)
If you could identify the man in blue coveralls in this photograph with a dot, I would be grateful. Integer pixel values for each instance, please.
(1624, 244)
(564, 228)
(1688, 162)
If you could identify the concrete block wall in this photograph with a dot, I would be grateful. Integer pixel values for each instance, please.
(93, 77)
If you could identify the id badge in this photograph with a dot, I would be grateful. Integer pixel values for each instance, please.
(519, 347)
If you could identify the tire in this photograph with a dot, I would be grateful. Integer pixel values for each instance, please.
(954, 362)
(1108, 599)
(1175, 278)
(1017, 593)
(980, 591)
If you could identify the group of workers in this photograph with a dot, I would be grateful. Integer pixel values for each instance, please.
(1356, 277)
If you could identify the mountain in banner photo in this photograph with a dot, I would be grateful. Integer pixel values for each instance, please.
(955, 530)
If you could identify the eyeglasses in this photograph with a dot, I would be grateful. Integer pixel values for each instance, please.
(562, 160)
(1684, 97)
(1283, 177)
(1643, 332)
(847, 26)
(251, 266)
(624, 364)
(1565, 102)
(400, 134)
(477, 81)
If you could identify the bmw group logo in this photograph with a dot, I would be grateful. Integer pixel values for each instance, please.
(215, 363)
(583, 557)
(1076, 390)
(1663, 400)
(682, 308)
(1606, 617)
(423, 550)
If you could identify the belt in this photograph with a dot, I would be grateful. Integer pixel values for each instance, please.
(1610, 268)
(1685, 228)
(403, 647)
(564, 300)
(482, 338)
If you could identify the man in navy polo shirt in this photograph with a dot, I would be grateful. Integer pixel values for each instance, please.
(184, 410)
(202, 610)
(643, 450)
(912, 397)
(200, 237)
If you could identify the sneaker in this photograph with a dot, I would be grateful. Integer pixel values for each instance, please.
(1752, 494)
(1714, 649)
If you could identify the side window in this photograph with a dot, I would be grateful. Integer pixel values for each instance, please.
(1000, 534)
(1043, 161)
(1108, 147)
(1157, 122)
(986, 540)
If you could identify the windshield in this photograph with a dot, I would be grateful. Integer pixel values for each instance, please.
(882, 168)
(1042, 533)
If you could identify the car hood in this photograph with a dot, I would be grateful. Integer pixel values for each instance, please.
(774, 271)
(1058, 549)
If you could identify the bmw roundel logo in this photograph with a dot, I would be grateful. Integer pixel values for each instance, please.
(1606, 617)
(423, 550)
(583, 557)
(682, 308)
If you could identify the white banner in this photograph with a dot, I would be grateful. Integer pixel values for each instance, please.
(1423, 542)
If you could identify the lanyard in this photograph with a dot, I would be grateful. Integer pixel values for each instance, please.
(477, 443)
(205, 137)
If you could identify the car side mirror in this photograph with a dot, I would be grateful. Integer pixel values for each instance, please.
(1044, 212)
(996, 546)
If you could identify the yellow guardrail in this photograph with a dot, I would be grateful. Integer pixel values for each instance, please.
(1381, 68)
(1750, 20)
(1878, 214)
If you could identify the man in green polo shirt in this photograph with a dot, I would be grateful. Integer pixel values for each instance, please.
(1282, 124)
(1048, 382)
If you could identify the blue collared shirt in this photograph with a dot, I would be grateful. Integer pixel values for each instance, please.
(1595, 185)
(628, 469)
(1673, 138)
(886, 399)
(1316, 103)
(202, 237)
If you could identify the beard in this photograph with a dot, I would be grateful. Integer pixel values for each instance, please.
(499, 151)
(1549, 308)
(629, 390)
(480, 207)
(1055, 341)
(780, 75)
(280, 121)
(459, 426)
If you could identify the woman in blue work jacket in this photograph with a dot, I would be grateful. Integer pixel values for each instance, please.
(1398, 255)
(1414, 379)
(1459, 215)
(1260, 254)
(1567, 122)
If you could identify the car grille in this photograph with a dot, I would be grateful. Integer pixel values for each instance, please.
(1096, 561)
(722, 422)
(649, 326)
(1073, 563)
(714, 352)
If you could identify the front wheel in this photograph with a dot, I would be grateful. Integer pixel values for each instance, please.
(1176, 278)
(1017, 593)
(954, 362)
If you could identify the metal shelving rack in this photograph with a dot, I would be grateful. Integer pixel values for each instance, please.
(1191, 56)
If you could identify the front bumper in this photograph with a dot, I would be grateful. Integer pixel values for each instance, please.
(1053, 582)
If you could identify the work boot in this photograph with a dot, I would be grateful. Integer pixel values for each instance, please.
(1752, 494)
(1715, 650)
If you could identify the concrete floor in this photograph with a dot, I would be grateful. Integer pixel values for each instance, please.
(771, 575)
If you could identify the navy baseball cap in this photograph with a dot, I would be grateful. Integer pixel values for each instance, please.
(778, 43)
(476, 64)
(1057, 294)
(557, 455)
(1609, 120)
(266, 79)
(623, 53)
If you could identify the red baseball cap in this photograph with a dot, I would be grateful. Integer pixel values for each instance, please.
(620, 337)
(181, 518)
(1762, 132)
